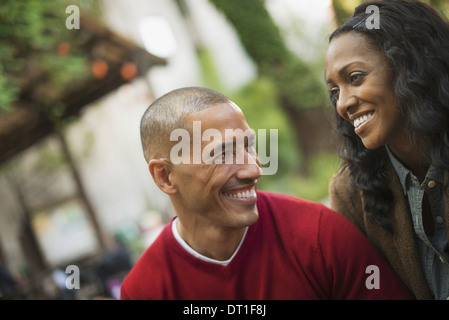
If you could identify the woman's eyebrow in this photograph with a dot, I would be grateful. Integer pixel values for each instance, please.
(343, 70)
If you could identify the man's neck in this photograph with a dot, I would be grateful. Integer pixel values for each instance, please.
(213, 242)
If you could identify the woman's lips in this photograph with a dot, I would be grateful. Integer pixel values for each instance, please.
(362, 119)
(360, 122)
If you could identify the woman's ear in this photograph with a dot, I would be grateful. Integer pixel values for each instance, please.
(161, 172)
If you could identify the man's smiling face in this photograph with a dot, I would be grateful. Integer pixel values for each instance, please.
(223, 195)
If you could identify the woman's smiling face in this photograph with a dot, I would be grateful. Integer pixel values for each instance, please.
(362, 85)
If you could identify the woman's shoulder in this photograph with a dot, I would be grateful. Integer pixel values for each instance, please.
(341, 179)
(345, 197)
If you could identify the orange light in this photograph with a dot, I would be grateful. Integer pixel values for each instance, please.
(63, 48)
(99, 68)
(128, 71)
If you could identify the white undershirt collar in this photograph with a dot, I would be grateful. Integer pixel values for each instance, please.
(199, 255)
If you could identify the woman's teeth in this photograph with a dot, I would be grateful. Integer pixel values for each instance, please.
(250, 193)
(361, 120)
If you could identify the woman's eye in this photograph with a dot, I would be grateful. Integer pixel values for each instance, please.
(356, 76)
(334, 93)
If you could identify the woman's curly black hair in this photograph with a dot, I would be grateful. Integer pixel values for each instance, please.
(414, 38)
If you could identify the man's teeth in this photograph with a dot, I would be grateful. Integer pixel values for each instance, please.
(361, 120)
(243, 194)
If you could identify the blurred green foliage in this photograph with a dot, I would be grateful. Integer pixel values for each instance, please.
(315, 186)
(296, 84)
(30, 32)
(345, 8)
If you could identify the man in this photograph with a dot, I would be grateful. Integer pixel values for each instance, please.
(228, 241)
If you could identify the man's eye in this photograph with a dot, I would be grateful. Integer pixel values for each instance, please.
(221, 154)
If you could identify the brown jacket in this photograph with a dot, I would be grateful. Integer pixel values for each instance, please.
(399, 248)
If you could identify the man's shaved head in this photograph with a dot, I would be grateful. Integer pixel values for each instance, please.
(168, 112)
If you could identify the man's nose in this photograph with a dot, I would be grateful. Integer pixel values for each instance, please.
(250, 170)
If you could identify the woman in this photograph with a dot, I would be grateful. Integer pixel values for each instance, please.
(390, 89)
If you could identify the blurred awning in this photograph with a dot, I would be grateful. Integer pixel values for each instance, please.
(114, 62)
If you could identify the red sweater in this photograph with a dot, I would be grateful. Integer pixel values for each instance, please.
(296, 250)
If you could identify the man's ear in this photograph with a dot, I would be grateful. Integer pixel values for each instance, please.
(161, 172)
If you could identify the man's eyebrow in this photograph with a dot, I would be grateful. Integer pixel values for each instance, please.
(343, 70)
(251, 139)
(219, 147)
(225, 144)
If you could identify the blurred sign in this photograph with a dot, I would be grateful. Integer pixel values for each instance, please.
(64, 232)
